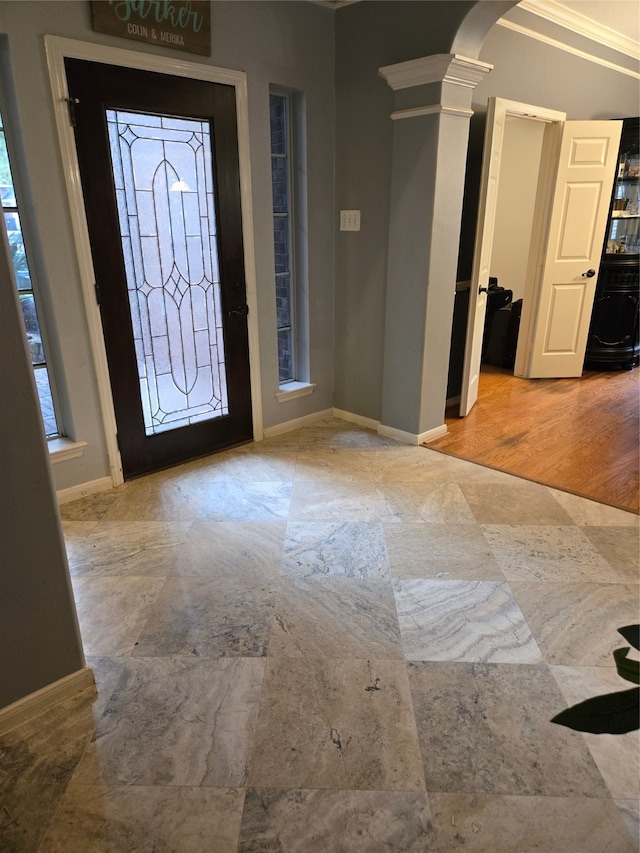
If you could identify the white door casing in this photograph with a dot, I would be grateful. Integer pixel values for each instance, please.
(497, 111)
(565, 255)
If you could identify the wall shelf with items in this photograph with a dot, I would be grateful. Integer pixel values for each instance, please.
(614, 334)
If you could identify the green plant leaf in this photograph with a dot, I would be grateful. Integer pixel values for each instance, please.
(631, 633)
(627, 669)
(613, 713)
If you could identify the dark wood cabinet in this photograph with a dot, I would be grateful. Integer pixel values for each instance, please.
(614, 333)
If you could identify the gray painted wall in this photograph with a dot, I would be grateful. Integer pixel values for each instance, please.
(39, 639)
(286, 43)
(370, 35)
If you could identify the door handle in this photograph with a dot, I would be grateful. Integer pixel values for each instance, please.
(240, 311)
(483, 290)
(588, 274)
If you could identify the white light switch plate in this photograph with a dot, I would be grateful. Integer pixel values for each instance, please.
(349, 220)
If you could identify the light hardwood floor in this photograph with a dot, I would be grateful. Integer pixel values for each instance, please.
(578, 435)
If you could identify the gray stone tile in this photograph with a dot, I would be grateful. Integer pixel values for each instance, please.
(210, 617)
(338, 821)
(176, 722)
(485, 728)
(437, 502)
(145, 820)
(173, 495)
(630, 811)
(128, 548)
(334, 500)
(255, 466)
(620, 546)
(576, 623)
(547, 553)
(351, 548)
(448, 551)
(107, 672)
(586, 512)
(335, 617)
(616, 756)
(37, 761)
(236, 550)
(112, 611)
(231, 501)
(90, 508)
(464, 621)
(477, 823)
(336, 464)
(519, 502)
(336, 724)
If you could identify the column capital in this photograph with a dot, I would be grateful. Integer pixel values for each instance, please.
(437, 68)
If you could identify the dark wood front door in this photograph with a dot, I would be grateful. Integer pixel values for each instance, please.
(158, 160)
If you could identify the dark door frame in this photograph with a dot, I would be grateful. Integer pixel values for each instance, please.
(57, 49)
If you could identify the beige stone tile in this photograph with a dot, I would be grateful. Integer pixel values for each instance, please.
(437, 502)
(335, 617)
(440, 550)
(128, 548)
(255, 466)
(517, 502)
(336, 724)
(337, 464)
(241, 501)
(182, 721)
(586, 512)
(112, 611)
(90, 508)
(337, 821)
(620, 546)
(334, 500)
(235, 550)
(146, 819)
(478, 823)
(630, 811)
(173, 495)
(576, 623)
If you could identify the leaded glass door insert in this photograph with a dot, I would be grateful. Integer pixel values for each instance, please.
(164, 187)
(160, 173)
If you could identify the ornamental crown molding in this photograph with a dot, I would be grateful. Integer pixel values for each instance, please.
(438, 68)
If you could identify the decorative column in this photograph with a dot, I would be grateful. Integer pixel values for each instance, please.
(430, 136)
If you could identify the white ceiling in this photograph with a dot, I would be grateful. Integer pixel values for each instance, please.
(621, 16)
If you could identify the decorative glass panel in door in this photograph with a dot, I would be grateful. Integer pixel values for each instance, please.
(164, 186)
(160, 174)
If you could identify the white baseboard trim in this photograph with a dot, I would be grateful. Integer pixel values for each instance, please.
(296, 423)
(411, 437)
(432, 434)
(37, 703)
(360, 420)
(84, 489)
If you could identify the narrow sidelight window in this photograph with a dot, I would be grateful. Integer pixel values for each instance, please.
(281, 175)
(28, 300)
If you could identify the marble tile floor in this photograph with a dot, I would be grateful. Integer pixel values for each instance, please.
(328, 642)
